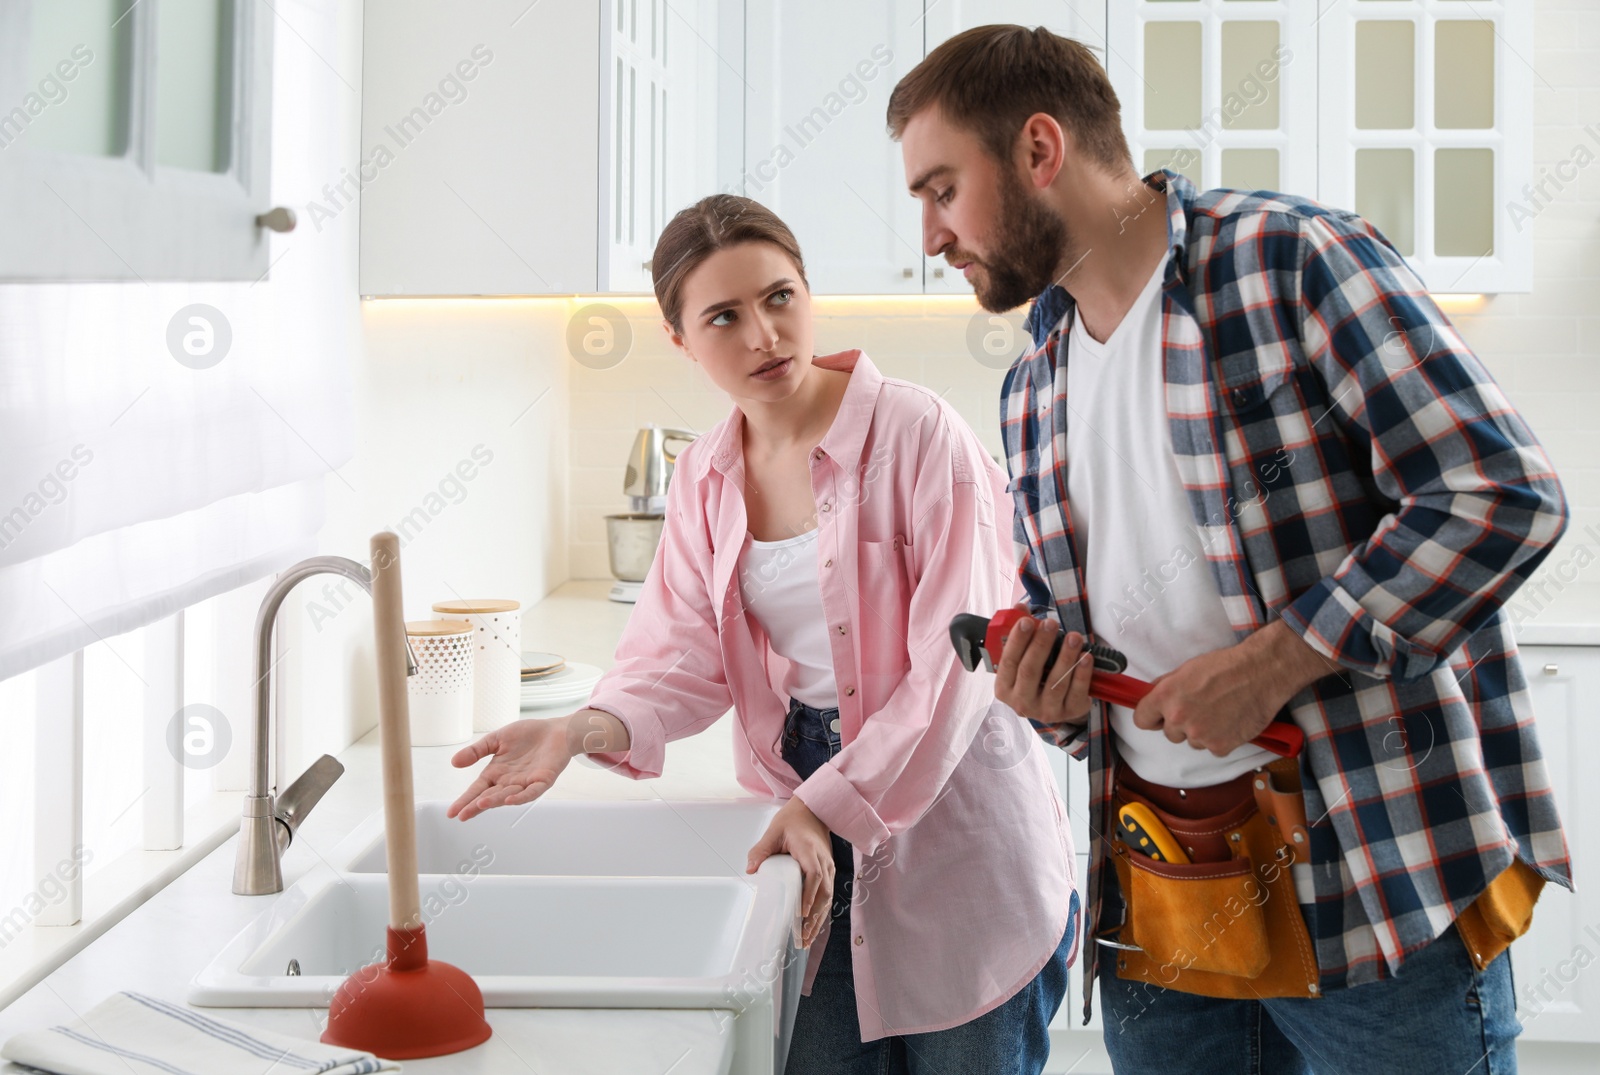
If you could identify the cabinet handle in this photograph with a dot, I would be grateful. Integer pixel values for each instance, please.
(938, 274)
(907, 273)
(1551, 670)
(280, 219)
(645, 265)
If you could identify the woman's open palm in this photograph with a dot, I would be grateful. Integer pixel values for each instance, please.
(528, 756)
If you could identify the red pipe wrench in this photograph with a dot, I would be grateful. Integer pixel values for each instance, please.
(980, 641)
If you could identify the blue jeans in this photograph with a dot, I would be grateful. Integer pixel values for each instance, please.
(1012, 1039)
(1438, 1015)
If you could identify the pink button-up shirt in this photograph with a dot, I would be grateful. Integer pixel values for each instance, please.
(963, 857)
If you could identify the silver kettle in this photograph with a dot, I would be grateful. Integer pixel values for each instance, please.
(650, 465)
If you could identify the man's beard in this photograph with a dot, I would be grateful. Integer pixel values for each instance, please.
(1028, 246)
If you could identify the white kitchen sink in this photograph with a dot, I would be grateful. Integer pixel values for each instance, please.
(557, 905)
(621, 839)
(571, 942)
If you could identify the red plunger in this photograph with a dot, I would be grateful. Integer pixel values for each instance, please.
(408, 1006)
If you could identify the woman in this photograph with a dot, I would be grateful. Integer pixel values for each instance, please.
(827, 530)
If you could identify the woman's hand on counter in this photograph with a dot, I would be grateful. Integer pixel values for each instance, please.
(797, 832)
(529, 754)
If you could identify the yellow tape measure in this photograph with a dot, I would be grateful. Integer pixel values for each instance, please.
(1144, 832)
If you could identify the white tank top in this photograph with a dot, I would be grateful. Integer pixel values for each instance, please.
(778, 580)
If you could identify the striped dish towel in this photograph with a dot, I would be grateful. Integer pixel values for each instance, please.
(133, 1034)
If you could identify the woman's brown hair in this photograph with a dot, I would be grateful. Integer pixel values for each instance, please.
(711, 224)
(990, 79)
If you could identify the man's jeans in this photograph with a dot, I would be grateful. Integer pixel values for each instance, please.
(1438, 1015)
(1012, 1039)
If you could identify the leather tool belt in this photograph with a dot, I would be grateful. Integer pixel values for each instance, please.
(1227, 923)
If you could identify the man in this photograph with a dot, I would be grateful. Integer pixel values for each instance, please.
(1251, 453)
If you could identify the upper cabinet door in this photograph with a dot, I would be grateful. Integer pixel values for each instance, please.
(479, 148)
(134, 139)
(1427, 128)
(1412, 113)
(1084, 22)
(517, 148)
(635, 93)
(1213, 88)
(658, 152)
(817, 151)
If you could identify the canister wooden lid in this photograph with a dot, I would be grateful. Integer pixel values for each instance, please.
(423, 628)
(474, 607)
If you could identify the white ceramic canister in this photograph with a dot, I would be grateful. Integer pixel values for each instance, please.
(496, 655)
(441, 692)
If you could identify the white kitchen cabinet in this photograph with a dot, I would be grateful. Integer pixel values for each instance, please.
(1558, 999)
(511, 148)
(1413, 113)
(635, 91)
(818, 77)
(817, 151)
(657, 94)
(135, 139)
(553, 167)
(1213, 89)
(1426, 128)
(1085, 22)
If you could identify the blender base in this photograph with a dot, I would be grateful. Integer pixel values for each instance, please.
(625, 592)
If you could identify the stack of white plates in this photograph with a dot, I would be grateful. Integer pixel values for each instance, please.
(569, 686)
(537, 664)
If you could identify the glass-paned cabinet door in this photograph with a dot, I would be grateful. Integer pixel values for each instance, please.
(134, 139)
(946, 18)
(1223, 91)
(1426, 112)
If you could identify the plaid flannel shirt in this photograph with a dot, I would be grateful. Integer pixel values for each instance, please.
(1353, 469)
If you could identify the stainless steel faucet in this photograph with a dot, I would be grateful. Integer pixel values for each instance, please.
(269, 826)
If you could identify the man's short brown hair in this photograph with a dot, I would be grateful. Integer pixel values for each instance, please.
(990, 79)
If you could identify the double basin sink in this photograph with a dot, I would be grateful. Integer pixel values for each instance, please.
(554, 904)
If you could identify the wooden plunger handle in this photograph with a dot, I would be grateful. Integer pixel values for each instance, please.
(394, 724)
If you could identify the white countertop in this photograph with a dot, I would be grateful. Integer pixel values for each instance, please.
(1547, 612)
(159, 946)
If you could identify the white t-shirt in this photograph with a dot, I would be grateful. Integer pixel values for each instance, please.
(778, 580)
(1151, 592)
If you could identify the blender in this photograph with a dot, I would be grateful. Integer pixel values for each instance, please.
(632, 537)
